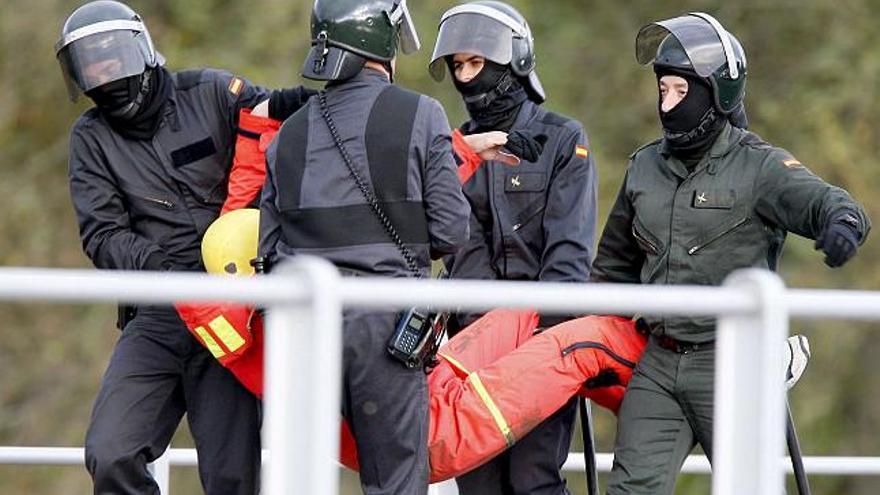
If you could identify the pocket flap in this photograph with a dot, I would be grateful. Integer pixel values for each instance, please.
(524, 181)
(720, 199)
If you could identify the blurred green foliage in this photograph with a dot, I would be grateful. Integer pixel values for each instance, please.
(813, 73)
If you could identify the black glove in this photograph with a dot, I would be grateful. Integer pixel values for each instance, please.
(285, 102)
(525, 145)
(840, 239)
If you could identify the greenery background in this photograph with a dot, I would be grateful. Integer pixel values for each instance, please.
(813, 72)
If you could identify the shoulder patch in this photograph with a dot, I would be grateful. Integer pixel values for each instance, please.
(236, 85)
(581, 151)
(791, 162)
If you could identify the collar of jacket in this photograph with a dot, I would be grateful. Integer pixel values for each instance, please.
(729, 137)
(366, 77)
(524, 117)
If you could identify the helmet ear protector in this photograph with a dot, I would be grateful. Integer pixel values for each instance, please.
(522, 60)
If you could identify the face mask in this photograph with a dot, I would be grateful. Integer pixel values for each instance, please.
(687, 115)
(693, 124)
(134, 106)
(120, 98)
(493, 97)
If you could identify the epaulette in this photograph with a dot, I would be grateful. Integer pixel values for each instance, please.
(646, 145)
(753, 140)
(554, 119)
(189, 78)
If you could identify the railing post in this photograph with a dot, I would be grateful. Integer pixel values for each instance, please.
(303, 383)
(749, 434)
(161, 471)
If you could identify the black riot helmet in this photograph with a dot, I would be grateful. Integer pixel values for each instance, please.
(347, 33)
(495, 31)
(697, 44)
(104, 42)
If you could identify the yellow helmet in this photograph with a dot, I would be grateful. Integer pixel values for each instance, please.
(230, 243)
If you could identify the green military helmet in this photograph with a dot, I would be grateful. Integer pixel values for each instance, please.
(347, 33)
(696, 43)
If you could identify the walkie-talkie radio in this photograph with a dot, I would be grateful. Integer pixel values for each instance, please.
(417, 337)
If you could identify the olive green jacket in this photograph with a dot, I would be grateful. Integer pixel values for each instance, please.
(733, 211)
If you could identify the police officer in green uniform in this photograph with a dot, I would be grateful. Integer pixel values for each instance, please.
(706, 199)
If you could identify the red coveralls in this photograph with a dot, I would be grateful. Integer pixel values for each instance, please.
(495, 381)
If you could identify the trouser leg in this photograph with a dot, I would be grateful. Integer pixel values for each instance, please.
(653, 433)
(487, 479)
(138, 408)
(536, 460)
(386, 406)
(531, 466)
(697, 386)
(224, 419)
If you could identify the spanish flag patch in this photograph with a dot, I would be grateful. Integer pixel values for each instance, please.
(581, 151)
(792, 163)
(236, 85)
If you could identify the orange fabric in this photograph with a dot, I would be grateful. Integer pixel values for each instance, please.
(246, 363)
(470, 159)
(526, 377)
(249, 164)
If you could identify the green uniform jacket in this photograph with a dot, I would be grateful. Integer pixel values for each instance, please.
(733, 211)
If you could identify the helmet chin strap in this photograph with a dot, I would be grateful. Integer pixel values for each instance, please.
(484, 100)
(133, 107)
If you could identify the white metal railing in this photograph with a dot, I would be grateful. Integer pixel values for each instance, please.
(306, 297)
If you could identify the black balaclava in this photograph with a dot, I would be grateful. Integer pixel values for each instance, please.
(493, 97)
(692, 126)
(133, 106)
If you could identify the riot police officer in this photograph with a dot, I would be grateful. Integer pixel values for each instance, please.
(364, 176)
(706, 199)
(533, 221)
(148, 168)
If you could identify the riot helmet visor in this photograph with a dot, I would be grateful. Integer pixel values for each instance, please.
(409, 38)
(97, 58)
(706, 44)
(478, 30)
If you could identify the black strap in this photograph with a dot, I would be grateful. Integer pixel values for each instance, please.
(388, 139)
(368, 193)
(292, 142)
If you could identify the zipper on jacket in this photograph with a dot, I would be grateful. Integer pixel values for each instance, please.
(164, 203)
(698, 247)
(528, 218)
(644, 239)
(595, 345)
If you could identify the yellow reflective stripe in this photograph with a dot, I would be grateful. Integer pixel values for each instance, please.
(210, 343)
(455, 363)
(474, 379)
(226, 333)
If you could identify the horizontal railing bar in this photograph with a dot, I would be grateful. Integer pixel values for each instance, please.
(849, 305)
(86, 286)
(695, 464)
(545, 296)
(80, 286)
(699, 464)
